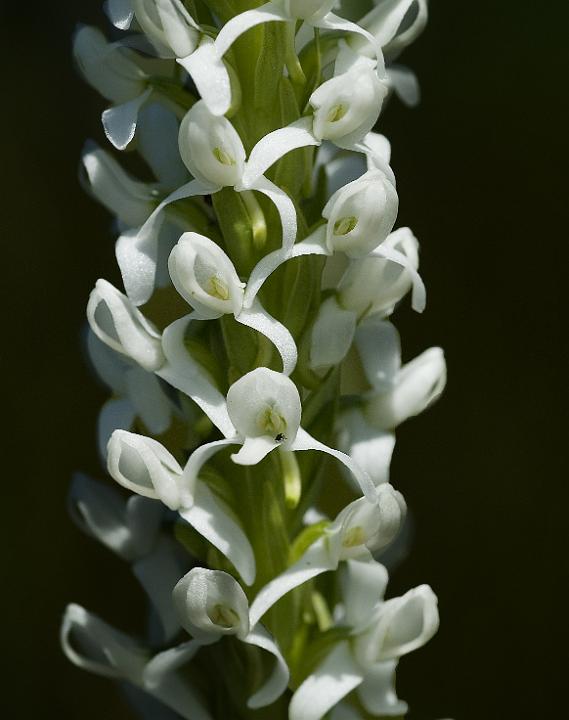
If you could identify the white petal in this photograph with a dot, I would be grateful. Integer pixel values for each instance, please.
(275, 145)
(316, 560)
(379, 346)
(254, 449)
(304, 441)
(385, 19)
(137, 257)
(419, 294)
(116, 414)
(211, 519)
(259, 319)
(148, 398)
(185, 374)
(93, 645)
(162, 680)
(158, 573)
(333, 22)
(369, 447)
(285, 208)
(332, 680)
(405, 83)
(120, 13)
(242, 22)
(379, 146)
(277, 682)
(315, 244)
(363, 588)
(197, 460)
(343, 169)
(332, 334)
(377, 692)
(343, 711)
(119, 121)
(109, 365)
(210, 76)
(407, 36)
(157, 137)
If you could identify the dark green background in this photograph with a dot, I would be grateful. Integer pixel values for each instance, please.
(482, 172)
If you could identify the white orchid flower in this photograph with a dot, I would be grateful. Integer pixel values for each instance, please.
(399, 392)
(91, 644)
(211, 604)
(315, 13)
(145, 467)
(137, 393)
(382, 632)
(264, 408)
(375, 284)
(131, 529)
(213, 152)
(360, 529)
(206, 278)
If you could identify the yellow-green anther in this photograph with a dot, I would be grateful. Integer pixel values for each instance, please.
(223, 156)
(345, 225)
(336, 113)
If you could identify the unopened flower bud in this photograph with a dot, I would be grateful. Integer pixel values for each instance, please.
(120, 325)
(204, 275)
(374, 285)
(111, 70)
(211, 148)
(416, 386)
(211, 603)
(168, 25)
(361, 215)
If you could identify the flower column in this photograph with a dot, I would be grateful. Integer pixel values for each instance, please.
(229, 350)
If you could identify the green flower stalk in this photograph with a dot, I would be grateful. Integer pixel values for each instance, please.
(256, 378)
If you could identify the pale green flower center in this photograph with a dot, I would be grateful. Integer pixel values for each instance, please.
(224, 616)
(353, 537)
(271, 422)
(345, 225)
(222, 156)
(336, 113)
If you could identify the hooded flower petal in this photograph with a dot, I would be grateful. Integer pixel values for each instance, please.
(119, 324)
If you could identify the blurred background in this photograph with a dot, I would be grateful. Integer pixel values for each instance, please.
(482, 174)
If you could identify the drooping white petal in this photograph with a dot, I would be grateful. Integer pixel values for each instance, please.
(127, 527)
(405, 84)
(304, 441)
(158, 572)
(332, 335)
(363, 588)
(119, 121)
(198, 459)
(417, 385)
(130, 200)
(93, 645)
(259, 319)
(275, 145)
(244, 21)
(120, 13)
(211, 519)
(277, 682)
(211, 147)
(185, 374)
(137, 258)
(119, 324)
(254, 449)
(377, 692)
(368, 447)
(115, 414)
(163, 680)
(379, 346)
(157, 136)
(144, 466)
(332, 680)
(210, 604)
(285, 208)
(208, 71)
(205, 276)
(264, 404)
(316, 560)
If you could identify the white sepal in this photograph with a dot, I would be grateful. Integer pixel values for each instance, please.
(120, 121)
(137, 258)
(130, 200)
(405, 84)
(120, 325)
(417, 385)
(307, 9)
(386, 23)
(210, 76)
(205, 277)
(109, 68)
(377, 692)
(211, 148)
(277, 682)
(369, 447)
(374, 285)
(240, 23)
(379, 347)
(119, 12)
(331, 681)
(157, 142)
(332, 335)
(258, 318)
(363, 588)
(93, 645)
(168, 26)
(361, 215)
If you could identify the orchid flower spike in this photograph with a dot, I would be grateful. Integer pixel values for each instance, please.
(145, 467)
(382, 632)
(264, 407)
(211, 604)
(205, 277)
(360, 529)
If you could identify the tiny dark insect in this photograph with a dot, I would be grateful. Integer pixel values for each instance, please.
(280, 437)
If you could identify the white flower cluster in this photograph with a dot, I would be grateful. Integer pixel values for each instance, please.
(271, 214)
